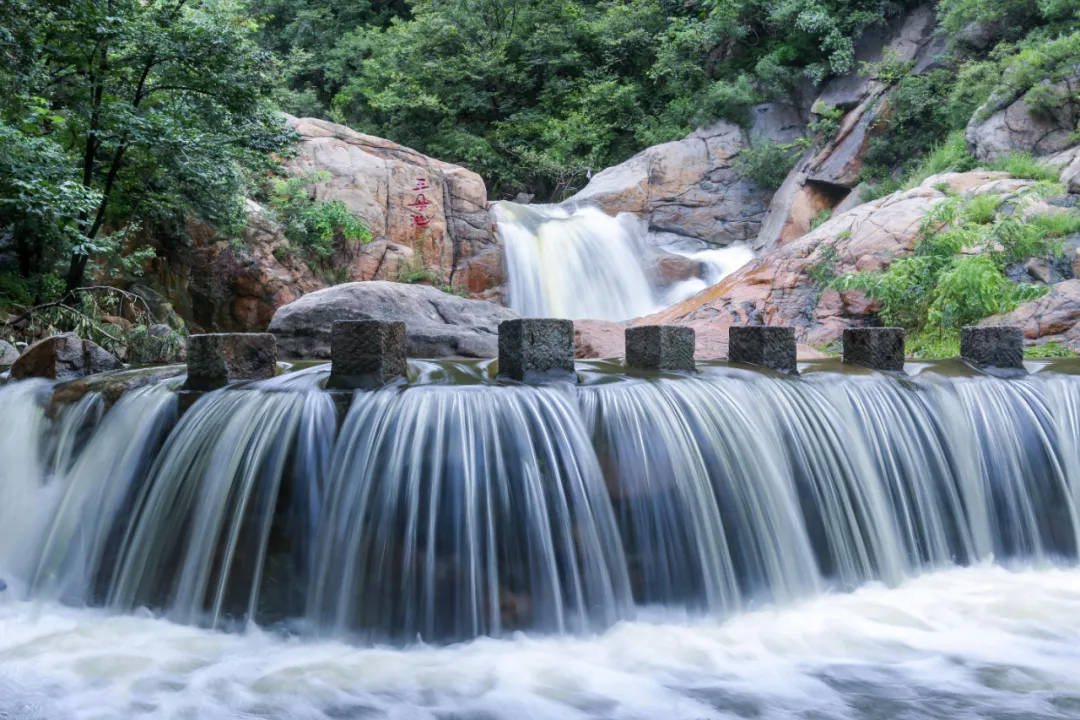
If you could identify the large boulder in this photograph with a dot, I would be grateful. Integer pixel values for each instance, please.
(63, 357)
(424, 215)
(691, 187)
(1008, 124)
(1053, 317)
(1067, 163)
(420, 210)
(785, 286)
(437, 324)
(8, 353)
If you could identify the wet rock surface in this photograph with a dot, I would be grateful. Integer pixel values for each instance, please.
(8, 353)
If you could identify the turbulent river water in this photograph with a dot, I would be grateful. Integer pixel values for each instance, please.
(733, 544)
(982, 642)
(582, 263)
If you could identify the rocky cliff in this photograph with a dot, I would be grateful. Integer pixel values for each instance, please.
(426, 217)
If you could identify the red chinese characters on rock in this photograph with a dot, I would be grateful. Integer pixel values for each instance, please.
(418, 207)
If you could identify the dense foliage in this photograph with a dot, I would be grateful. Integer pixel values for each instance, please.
(119, 120)
(537, 94)
(957, 274)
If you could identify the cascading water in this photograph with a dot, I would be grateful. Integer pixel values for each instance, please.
(583, 263)
(711, 520)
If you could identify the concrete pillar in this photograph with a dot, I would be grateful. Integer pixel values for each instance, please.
(997, 346)
(536, 350)
(217, 359)
(878, 348)
(660, 347)
(366, 354)
(770, 346)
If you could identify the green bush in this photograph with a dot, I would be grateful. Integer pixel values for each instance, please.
(982, 208)
(956, 274)
(825, 121)
(768, 164)
(1052, 349)
(312, 225)
(1022, 165)
(821, 218)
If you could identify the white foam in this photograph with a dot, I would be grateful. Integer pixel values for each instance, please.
(962, 643)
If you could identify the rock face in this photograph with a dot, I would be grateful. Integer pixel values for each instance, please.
(425, 216)
(8, 353)
(63, 357)
(1005, 125)
(1067, 162)
(1051, 318)
(690, 188)
(421, 211)
(437, 324)
(780, 288)
(824, 177)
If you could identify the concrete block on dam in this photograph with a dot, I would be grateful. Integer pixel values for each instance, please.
(536, 350)
(768, 346)
(878, 348)
(366, 354)
(660, 347)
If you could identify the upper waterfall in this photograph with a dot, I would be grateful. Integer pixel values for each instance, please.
(583, 263)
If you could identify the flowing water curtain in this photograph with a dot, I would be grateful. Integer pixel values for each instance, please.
(96, 488)
(707, 514)
(1017, 452)
(206, 527)
(456, 512)
(584, 264)
(27, 497)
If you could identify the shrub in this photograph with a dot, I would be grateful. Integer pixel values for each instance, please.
(313, 225)
(825, 121)
(821, 218)
(1052, 349)
(982, 208)
(956, 273)
(1022, 165)
(950, 155)
(768, 164)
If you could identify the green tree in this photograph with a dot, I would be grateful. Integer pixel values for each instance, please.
(305, 35)
(154, 107)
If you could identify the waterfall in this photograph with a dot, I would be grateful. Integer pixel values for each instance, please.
(582, 263)
(454, 508)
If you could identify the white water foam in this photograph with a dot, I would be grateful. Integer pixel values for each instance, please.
(582, 263)
(981, 642)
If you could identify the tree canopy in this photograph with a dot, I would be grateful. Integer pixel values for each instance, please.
(122, 118)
